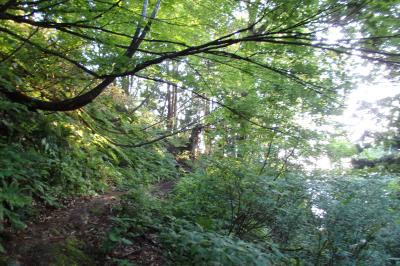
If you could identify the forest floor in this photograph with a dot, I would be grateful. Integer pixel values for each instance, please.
(75, 234)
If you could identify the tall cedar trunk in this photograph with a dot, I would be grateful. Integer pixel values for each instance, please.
(207, 110)
(174, 106)
(172, 98)
(207, 138)
(170, 122)
(194, 141)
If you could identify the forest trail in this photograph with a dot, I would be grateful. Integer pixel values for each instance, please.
(79, 227)
(75, 234)
(163, 188)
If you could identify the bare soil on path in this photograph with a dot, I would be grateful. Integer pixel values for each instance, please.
(75, 233)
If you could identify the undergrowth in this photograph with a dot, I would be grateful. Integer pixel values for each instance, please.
(48, 157)
(234, 216)
(223, 212)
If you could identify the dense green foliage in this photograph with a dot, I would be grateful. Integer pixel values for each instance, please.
(47, 157)
(235, 217)
(227, 101)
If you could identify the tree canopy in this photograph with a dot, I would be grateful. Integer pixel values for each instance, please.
(208, 120)
(78, 48)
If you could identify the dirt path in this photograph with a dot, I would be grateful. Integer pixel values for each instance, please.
(163, 188)
(74, 235)
(65, 236)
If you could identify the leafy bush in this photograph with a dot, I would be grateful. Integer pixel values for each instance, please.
(190, 245)
(235, 200)
(223, 215)
(355, 214)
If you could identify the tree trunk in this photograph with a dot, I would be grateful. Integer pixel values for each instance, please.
(64, 105)
(170, 112)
